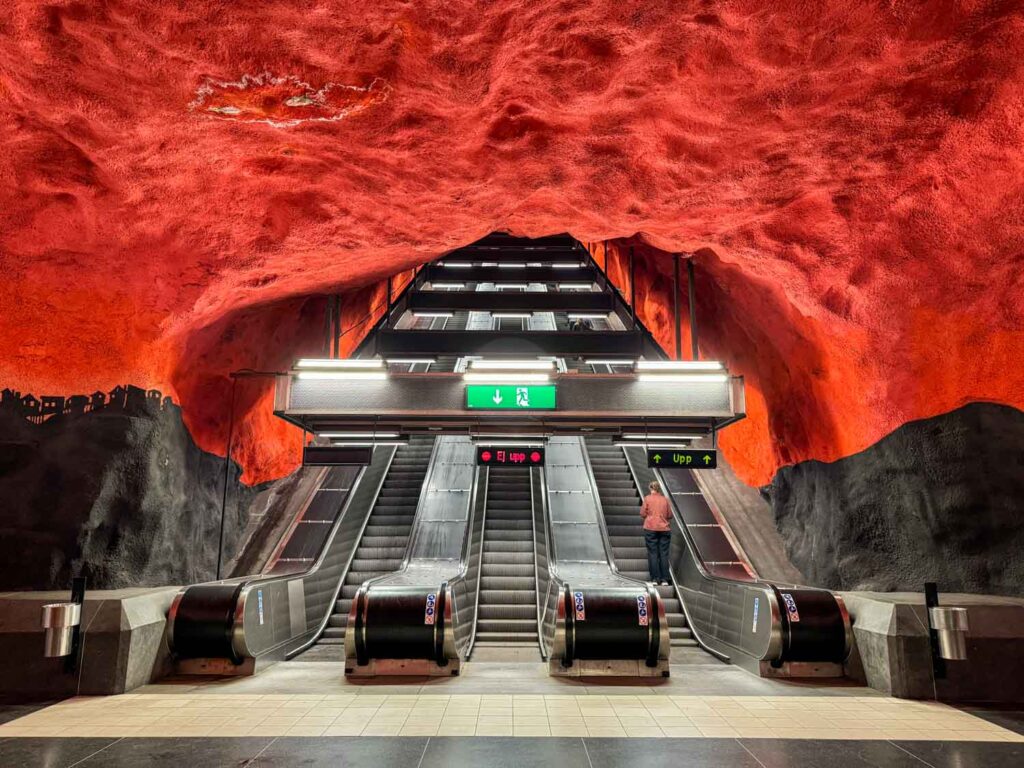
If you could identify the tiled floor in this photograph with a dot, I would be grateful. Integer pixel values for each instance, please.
(610, 716)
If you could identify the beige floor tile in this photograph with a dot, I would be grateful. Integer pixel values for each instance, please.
(607, 731)
(717, 731)
(344, 729)
(457, 729)
(306, 730)
(382, 729)
(681, 732)
(567, 729)
(419, 729)
(494, 729)
(531, 730)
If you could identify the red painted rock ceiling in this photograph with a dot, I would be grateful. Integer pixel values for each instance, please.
(181, 183)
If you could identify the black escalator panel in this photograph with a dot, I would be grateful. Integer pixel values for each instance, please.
(508, 585)
(621, 502)
(382, 548)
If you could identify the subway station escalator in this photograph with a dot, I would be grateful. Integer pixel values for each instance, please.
(383, 544)
(620, 502)
(507, 614)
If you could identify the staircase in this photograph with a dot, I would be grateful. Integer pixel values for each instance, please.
(621, 503)
(508, 586)
(382, 548)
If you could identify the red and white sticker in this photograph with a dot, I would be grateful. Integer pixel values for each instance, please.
(431, 611)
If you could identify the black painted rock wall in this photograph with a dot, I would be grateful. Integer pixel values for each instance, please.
(940, 499)
(124, 498)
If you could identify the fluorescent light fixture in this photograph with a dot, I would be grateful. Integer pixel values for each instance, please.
(449, 286)
(655, 436)
(608, 362)
(654, 446)
(532, 443)
(458, 264)
(512, 377)
(345, 375)
(488, 263)
(511, 265)
(688, 378)
(349, 444)
(511, 365)
(431, 314)
(499, 286)
(370, 362)
(575, 286)
(576, 316)
(512, 315)
(678, 365)
(565, 265)
(356, 435)
(412, 361)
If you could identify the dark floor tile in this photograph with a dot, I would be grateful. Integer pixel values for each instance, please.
(178, 753)
(966, 754)
(51, 753)
(501, 752)
(1010, 718)
(668, 753)
(812, 753)
(12, 709)
(344, 752)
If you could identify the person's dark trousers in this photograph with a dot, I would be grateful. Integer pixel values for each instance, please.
(658, 545)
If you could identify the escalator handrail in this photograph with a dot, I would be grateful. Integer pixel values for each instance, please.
(467, 551)
(536, 561)
(404, 566)
(348, 565)
(555, 582)
(601, 522)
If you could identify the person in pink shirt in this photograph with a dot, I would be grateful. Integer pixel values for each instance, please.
(657, 533)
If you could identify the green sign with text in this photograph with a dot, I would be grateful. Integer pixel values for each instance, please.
(511, 397)
(666, 458)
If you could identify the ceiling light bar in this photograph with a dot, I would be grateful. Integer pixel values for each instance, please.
(656, 436)
(531, 443)
(356, 435)
(578, 316)
(411, 361)
(511, 365)
(511, 265)
(370, 362)
(512, 377)
(449, 286)
(512, 315)
(344, 375)
(678, 365)
(575, 286)
(364, 444)
(609, 362)
(566, 265)
(499, 286)
(431, 314)
(457, 264)
(688, 378)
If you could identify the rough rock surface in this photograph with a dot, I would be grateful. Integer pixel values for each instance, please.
(122, 499)
(941, 499)
(177, 180)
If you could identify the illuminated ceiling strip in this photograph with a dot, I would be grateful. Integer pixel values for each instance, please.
(511, 378)
(511, 365)
(678, 365)
(342, 375)
(690, 378)
(370, 362)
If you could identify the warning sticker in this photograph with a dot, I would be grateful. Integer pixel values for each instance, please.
(794, 615)
(757, 605)
(642, 610)
(431, 611)
(579, 608)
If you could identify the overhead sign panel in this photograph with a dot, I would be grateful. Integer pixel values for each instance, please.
(667, 458)
(336, 455)
(511, 397)
(510, 456)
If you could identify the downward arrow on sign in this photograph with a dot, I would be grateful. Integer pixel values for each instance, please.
(497, 397)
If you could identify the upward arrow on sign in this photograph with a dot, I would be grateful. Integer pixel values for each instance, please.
(657, 458)
(707, 459)
(497, 397)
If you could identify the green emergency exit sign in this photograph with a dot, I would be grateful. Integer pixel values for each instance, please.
(511, 397)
